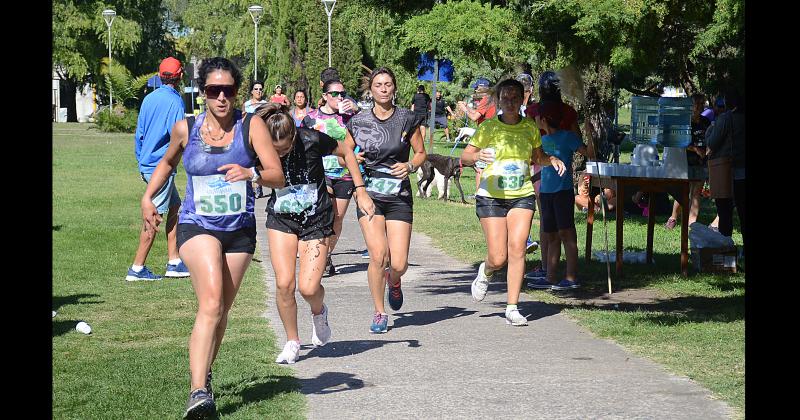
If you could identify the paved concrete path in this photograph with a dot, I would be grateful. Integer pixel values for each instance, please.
(446, 356)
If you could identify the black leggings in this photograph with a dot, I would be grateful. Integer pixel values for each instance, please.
(725, 210)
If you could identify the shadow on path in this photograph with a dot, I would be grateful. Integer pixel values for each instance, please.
(419, 318)
(349, 348)
(533, 310)
(330, 382)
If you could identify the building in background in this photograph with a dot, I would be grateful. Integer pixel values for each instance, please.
(85, 101)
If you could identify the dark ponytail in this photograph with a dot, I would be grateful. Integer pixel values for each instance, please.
(279, 123)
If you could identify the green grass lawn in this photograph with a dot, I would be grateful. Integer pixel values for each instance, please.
(693, 326)
(135, 364)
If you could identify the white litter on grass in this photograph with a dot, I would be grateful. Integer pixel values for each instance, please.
(54, 314)
(84, 328)
(628, 257)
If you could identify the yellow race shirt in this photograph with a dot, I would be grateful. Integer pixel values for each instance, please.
(509, 176)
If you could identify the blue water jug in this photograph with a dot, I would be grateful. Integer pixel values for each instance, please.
(644, 120)
(675, 122)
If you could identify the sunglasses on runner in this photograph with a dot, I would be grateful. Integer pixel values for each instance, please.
(337, 94)
(212, 91)
(257, 88)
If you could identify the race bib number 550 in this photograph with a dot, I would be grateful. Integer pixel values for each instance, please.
(213, 196)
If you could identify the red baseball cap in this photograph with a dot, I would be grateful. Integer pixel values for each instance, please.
(170, 68)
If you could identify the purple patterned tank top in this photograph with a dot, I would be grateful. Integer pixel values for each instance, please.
(210, 201)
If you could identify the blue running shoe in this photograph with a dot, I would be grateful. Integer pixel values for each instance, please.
(144, 275)
(394, 294)
(566, 285)
(177, 270)
(537, 273)
(531, 245)
(201, 405)
(539, 283)
(365, 255)
(379, 323)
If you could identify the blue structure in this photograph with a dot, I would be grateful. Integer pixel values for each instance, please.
(154, 82)
(425, 68)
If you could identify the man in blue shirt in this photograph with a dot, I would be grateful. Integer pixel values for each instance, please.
(161, 109)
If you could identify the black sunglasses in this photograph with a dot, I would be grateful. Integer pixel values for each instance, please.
(257, 89)
(337, 94)
(212, 91)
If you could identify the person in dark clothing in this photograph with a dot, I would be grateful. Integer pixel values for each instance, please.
(695, 155)
(442, 109)
(726, 138)
(421, 105)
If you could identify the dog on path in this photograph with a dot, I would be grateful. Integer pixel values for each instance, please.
(447, 167)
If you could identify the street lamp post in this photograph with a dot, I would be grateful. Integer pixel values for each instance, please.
(329, 10)
(255, 13)
(109, 16)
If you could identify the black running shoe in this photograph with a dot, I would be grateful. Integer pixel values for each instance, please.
(201, 405)
(208, 384)
(330, 269)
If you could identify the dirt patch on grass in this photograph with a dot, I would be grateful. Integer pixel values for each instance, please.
(626, 297)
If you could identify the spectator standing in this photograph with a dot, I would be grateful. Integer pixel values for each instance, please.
(421, 106)
(695, 156)
(442, 111)
(485, 109)
(160, 110)
(550, 90)
(726, 139)
(557, 199)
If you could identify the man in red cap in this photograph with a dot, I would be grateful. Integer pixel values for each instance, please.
(161, 109)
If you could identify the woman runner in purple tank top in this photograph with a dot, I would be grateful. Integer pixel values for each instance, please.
(216, 226)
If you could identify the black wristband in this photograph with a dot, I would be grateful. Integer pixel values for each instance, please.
(357, 186)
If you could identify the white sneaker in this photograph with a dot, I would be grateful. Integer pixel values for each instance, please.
(320, 330)
(515, 318)
(480, 284)
(290, 353)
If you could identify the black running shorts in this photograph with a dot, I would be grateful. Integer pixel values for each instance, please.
(316, 226)
(237, 241)
(499, 207)
(558, 211)
(342, 188)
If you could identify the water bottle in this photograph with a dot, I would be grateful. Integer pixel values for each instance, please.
(360, 165)
(481, 164)
(644, 119)
(675, 122)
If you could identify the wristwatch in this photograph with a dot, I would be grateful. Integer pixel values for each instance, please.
(256, 175)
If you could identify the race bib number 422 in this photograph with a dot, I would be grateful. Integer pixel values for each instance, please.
(213, 196)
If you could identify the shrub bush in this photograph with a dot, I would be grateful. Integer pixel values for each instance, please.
(116, 122)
